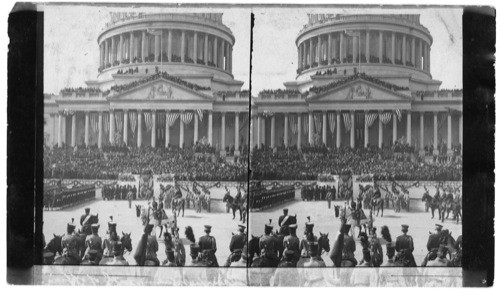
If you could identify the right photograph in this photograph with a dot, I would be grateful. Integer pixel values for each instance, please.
(356, 139)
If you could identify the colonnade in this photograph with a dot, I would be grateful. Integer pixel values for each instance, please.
(365, 46)
(195, 47)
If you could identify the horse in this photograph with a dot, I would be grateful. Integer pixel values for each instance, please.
(54, 246)
(254, 250)
(178, 204)
(446, 206)
(323, 246)
(142, 212)
(448, 241)
(457, 210)
(430, 203)
(235, 205)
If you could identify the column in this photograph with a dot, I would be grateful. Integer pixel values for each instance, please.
(195, 48)
(157, 48)
(153, 129)
(181, 133)
(237, 132)
(341, 48)
(130, 46)
(380, 130)
(59, 130)
(223, 132)
(205, 54)
(353, 124)
(273, 130)
(299, 131)
(394, 127)
(422, 130)
(112, 127)
(167, 131)
(413, 58)
(419, 55)
(429, 58)
(299, 59)
(334, 44)
(366, 131)
(106, 52)
(449, 132)
(355, 50)
(408, 127)
(318, 50)
(223, 54)
(139, 128)
(393, 47)
(460, 131)
(195, 135)
(285, 139)
(86, 128)
(329, 49)
(120, 49)
(183, 45)
(324, 128)
(169, 46)
(125, 127)
(304, 54)
(380, 46)
(101, 55)
(259, 130)
(311, 60)
(113, 50)
(210, 119)
(73, 130)
(436, 151)
(143, 46)
(263, 125)
(339, 138)
(311, 128)
(215, 52)
(367, 47)
(404, 50)
(99, 136)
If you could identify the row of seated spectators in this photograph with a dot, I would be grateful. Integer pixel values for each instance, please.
(291, 164)
(92, 163)
(80, 91)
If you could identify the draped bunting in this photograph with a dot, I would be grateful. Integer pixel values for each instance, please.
(105, 118)
(171, 117)
(318, 121)
(347, 121)
(200, 114)
(186, 117)
(132, 117)
(119, 120)
(398, 113)
(385, 117)
(331, 120)
(94, 121)
(305, 123)
(370, 118)
(148, 118)
(293, 123)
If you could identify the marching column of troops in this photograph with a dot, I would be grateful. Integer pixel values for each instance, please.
(118, 192)
(63, 198)
(318, 193)
(261, 198)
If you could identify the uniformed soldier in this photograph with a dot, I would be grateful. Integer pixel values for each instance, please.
(107, 244)
(84, 219)
(377, 255)
(282, 217)
(94, 242)
(349, 245)
(130, 196)
(284, 222)
(117, 255)
(315, 260)
(308, 237)
(151, 245)
(267, 243)
(404, 247)
(236, 245)
(69, 244)
(441, 260)
(329, 198)
(288, 257)
(292, 243)
(92, 258)
(433, 243)
(208, 247)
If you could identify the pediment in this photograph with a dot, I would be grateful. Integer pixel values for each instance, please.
(163, 90)
(359, 90)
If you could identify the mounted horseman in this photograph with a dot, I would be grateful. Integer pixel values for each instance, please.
(69, 245)
(208, 247)
(268, 246)
(308, 237)
(404, 248)
(292, 243)
(285, 221)
(433, 243)
(238, 241)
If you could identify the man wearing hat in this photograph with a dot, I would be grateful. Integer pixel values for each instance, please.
(170, 262)
(268, 243)
(288, 256)
(107, 244)
(84, 221)
(404, 248)
(151, 245)
(349, 245)
(94, 242)
(292, 243)
(117, 252)
(433, 243)
(376, 253)
(236, 245)
(69, 244)
(208, 247)
(308, 237)
(91, 258)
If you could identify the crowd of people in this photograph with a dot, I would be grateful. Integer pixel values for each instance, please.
(80, 91)
(92, 163)
(57, 197)
(306, 164)
(278, 92)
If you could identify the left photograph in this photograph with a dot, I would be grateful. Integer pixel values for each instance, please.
(146, 122)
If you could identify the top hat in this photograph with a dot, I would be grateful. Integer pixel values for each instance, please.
(87, 210)
(112, 227)
(71, 225)
(285, 210)
(268, 227)
(405, 227)
(208, 227)
(309, 224)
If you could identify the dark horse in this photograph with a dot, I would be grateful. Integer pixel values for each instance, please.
(54, 246)
(446, 207)
(178, 204)
(323, 246)
(235, 205)
(254, 251)
(378, 204)
(431, 203)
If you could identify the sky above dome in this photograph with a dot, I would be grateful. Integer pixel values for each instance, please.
(71, 52)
